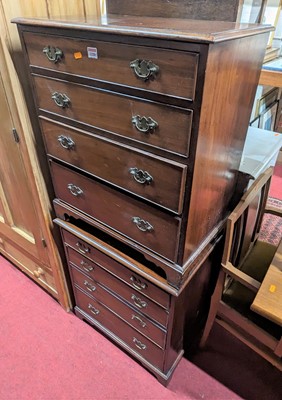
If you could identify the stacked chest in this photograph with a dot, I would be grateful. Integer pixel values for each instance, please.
(143, 165)
(120, 125)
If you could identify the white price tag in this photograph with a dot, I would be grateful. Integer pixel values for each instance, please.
(92, 52)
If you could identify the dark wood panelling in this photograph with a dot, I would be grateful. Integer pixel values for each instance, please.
(221, 10)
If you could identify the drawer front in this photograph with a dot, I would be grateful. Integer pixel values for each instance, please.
(139, 222)
(132, 316)
(174, 72)
(148, 177)
(156, 125)
(124, 274)
(137, 302)
(117, 326)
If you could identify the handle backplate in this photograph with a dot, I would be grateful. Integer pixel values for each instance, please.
(54, 54)
(138, 302)
(89, 286)
(141, 176)
(93, 309)
(139, 320)
(66, 142)
(142, 225)
(144, 69)
(86, 266)
(144, 124)
(61, 99)
(82, 248)
(137, 283)
(139, 344)
(75, 190)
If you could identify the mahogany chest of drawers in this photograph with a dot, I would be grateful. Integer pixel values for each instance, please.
(144, 127)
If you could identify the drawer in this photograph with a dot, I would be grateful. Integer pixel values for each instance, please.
(151, 228)
(152, 178)
(124, 274)
(118, 327)
(174, 73)
(137, 302)
(132, 316)
(142, 121)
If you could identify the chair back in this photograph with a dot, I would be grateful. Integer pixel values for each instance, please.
(244, 222)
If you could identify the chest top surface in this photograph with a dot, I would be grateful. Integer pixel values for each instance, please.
(163, 28)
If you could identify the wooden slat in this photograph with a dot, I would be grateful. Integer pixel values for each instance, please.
(241, 277)
(265, 354)
(243, 325)
(65, 8)
(92, 9)
(17, 8)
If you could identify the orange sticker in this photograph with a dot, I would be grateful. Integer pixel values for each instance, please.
(272, 288)
(77, 55)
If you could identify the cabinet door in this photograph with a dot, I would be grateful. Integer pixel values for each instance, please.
(20, 232)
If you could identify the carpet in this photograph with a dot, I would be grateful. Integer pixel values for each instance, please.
(276, 183)
(49, 354)
(271, 227)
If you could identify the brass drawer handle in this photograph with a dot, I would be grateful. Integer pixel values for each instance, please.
(82, 248)
(141, 176)
(38, 272)
(53, 54)
(89, 286)
(144, 69)
(66, 142)
(141, 322)
(86, 266)
(142, 225)
(139, 344)
(144, 124)
(61, 99)
(138, 284)
(93, 309)
(75, 190)
(138, 302)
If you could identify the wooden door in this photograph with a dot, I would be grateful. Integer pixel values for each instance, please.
(25, 221)
(21, 238)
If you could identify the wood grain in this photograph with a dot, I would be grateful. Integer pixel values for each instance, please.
(134, 317)
(119, 329)
(117, 211)
(177, 70)
(174, 28)
(111, 162)
(220, 10)
(103, 265)
(228, 97)
(268, 301)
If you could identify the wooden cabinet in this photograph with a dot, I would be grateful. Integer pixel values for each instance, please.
(144, 128)
(25, 227)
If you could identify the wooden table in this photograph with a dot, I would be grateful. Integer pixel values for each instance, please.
(268, 301)
(271, 73)
(270, 78)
